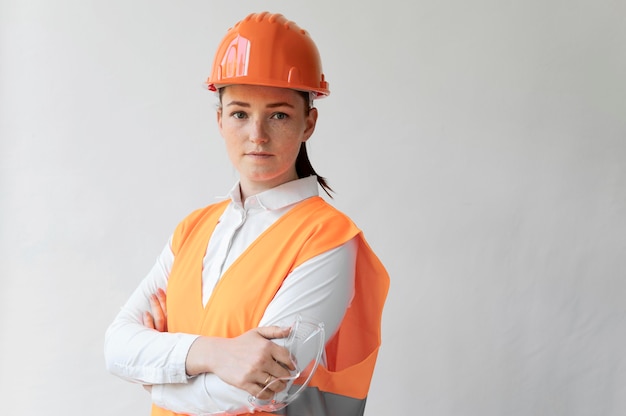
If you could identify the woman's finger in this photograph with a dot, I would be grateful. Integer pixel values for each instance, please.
(162, 302)
(273, 332)
(280, 355)
(160, 321)
(148, 321)
(270, 386)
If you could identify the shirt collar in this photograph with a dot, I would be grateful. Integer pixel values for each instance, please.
(280, 196)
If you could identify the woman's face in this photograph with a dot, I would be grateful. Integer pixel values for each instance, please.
(263, 128)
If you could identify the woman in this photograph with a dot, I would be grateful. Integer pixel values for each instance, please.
(204, 330)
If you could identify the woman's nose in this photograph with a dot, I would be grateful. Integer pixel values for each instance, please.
(258, 132)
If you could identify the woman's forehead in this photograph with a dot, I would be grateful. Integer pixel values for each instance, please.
(262, 94)
(260, 91)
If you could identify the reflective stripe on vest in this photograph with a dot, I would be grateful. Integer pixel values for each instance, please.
(309, 229)
(313, 402)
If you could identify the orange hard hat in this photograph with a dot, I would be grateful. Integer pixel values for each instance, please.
(267, 49)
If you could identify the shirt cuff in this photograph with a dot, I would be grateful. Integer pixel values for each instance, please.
(175, 372)
(179, 356)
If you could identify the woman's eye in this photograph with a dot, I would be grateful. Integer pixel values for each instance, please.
(238, 114)
(279, 116)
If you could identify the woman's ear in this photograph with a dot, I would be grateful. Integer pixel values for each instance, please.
(219, 119)
(311, 121)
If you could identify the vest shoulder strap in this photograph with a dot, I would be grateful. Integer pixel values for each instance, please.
(198, 217)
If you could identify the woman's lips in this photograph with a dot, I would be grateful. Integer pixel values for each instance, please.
(260, 155)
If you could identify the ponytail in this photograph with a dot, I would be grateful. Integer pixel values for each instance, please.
(303, 164)
(304, 169)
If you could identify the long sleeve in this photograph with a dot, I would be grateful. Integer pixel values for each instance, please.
(140, 354)
(319, 290)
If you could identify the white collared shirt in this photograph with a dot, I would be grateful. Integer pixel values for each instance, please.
(319, 290)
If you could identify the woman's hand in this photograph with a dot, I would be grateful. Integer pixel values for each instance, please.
(249, 361)
(158, 318)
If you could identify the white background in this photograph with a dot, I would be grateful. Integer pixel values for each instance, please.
(480, 145)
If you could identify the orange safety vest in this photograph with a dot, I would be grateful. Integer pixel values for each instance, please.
(241, 296)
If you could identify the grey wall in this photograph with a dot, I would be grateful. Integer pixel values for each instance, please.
(479, 144)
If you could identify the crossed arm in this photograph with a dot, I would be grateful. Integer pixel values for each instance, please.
(248, 361)
(205, 375)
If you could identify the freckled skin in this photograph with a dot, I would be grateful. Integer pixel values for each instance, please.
(263, 128)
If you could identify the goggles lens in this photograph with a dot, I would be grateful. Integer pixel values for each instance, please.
(305, 340)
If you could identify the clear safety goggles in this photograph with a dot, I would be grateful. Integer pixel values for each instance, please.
(306, 339)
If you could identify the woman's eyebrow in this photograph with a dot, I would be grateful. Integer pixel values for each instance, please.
(281, 104)
(238, 103)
